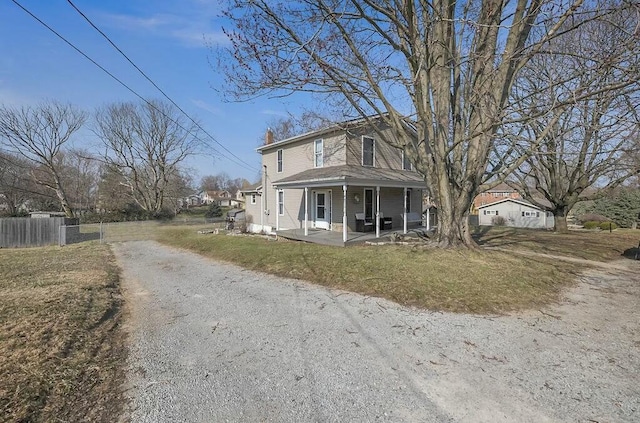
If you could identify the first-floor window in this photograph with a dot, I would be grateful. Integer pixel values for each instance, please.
(253, 198)
(281, 203)
(368, 203)
(491, 212)
(530, 214)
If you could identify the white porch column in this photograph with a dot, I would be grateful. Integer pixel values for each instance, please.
(404, 210)
(306, 211)
(429, 218)
(344, 213)
(428, 209)
(377, 212)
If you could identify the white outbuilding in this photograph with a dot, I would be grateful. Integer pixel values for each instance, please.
(516, 213)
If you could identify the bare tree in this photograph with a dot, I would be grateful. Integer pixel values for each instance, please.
(113, 195)
(180, 186)
(293, 125)
(16, 185)
(80, 171)
(216, 182)
(439, 73)
(145, 144)
(586, 141)
(38, 134)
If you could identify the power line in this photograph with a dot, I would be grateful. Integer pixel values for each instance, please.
(151, 81)
(70, 44)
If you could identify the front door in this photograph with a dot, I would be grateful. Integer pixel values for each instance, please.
(322, 218)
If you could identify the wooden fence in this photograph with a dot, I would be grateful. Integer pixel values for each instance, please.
(32, 232)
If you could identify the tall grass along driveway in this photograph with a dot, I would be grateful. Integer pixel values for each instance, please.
(215, 342)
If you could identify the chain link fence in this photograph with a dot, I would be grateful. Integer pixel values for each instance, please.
(131, 231)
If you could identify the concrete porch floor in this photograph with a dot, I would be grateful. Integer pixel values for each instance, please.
(324, 237)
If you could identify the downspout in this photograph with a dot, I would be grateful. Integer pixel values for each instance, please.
(277, 191)
(263, 197)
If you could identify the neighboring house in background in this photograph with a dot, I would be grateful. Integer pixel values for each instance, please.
(192, 200)
(251, 196)
(516, 213)
(238, 201)
(322, 179)
(499, 192)
(222, 198)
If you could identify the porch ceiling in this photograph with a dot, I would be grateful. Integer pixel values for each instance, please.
(353, 176)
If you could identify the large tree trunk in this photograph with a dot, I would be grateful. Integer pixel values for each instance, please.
(453, 221)
(560, 219)
(453, 230)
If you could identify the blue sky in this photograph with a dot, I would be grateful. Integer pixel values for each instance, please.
(166, 39)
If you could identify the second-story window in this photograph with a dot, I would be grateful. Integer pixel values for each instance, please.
(279, 160)
(406, 164)
(368, 151)
(319, 153)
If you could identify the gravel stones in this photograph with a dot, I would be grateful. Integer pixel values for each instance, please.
(213, 342)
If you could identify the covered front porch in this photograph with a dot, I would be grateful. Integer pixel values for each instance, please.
(348, 204)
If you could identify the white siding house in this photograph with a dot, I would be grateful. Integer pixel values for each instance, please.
(516, 213)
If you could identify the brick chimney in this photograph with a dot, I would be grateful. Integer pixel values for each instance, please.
(268, 137)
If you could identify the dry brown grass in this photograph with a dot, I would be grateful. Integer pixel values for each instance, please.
(451, 280)
(61, 343)
(591, 245)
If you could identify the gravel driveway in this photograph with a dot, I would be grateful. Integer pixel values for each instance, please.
(211, 342)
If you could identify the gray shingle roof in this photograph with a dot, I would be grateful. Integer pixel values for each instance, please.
(352, 175)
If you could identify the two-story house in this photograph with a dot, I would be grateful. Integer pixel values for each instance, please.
(497, 193)
(222, 198)
(327, 179)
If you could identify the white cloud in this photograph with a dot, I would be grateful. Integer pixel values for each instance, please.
(274, 113)
(136, 23)
(13, 98)
(206, 106)
(193, 37)
(193, 25)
